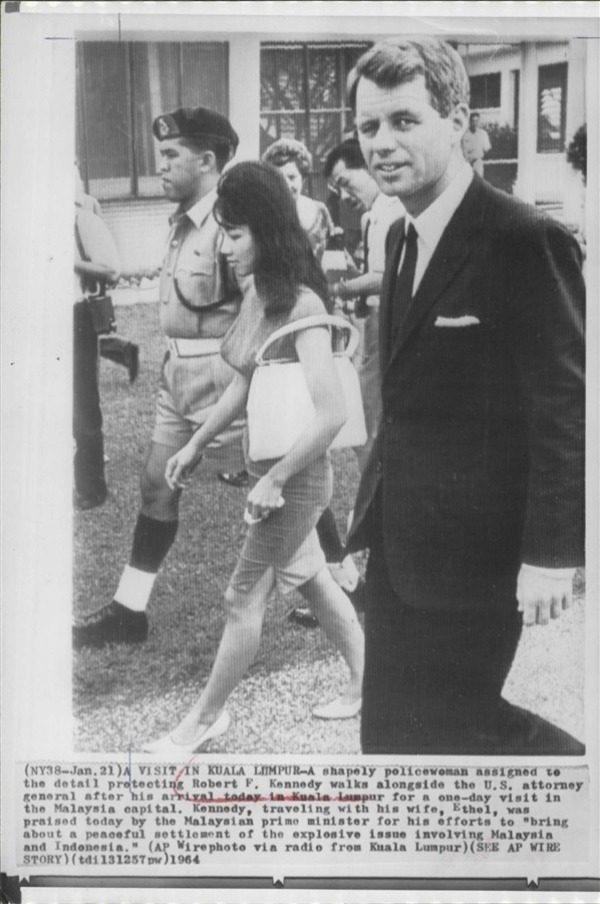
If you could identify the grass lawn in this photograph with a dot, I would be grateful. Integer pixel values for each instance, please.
(124, 695)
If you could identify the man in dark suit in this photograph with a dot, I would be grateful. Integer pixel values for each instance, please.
(472, 503)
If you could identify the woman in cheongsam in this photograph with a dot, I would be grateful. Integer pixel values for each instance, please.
(282, 282)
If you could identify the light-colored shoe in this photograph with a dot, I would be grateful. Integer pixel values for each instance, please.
(166, 746)
(345, 574)
(338, 710)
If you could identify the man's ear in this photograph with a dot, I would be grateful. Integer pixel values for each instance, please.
(459, 118)
(207, 161)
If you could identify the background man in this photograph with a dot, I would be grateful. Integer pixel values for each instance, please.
(472, 503)
(346, 170)
(198, 304)
(348, 177)
(476, 144)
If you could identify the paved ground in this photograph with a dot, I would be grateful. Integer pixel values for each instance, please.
(271, 714)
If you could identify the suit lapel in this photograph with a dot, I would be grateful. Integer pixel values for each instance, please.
(448, 259)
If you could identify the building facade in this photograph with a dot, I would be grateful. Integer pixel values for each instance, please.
(537, 89)
(531, 95)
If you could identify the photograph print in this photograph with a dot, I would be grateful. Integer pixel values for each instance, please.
(329, 391)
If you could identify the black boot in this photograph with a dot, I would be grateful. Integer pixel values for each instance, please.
(112, 624)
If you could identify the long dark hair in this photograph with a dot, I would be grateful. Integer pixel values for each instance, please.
(256, 195)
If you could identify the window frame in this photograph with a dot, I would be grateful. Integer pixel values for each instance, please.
(563, 67)
(133, 178)
(306, 111)
(486, 75)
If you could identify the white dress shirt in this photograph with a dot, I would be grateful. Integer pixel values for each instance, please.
(430, 224)
(385, 210)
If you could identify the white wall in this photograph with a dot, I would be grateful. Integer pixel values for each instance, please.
(495, 58)
(244, 93)
(140, 227)
(505, 59)
(551, 175)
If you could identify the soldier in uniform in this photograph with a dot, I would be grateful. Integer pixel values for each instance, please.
(199, 301)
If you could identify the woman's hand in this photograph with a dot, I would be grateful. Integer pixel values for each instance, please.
(180, 466)
(263, 498)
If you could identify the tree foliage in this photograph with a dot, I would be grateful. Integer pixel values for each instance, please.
(577, 151)
(503, 139)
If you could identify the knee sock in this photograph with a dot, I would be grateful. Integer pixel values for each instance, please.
(152, 541)
(329, 537)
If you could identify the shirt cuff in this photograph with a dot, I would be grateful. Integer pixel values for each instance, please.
(557, 573)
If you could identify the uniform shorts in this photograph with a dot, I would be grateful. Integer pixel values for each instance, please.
(189, 390)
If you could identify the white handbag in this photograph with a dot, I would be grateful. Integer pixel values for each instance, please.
(280, 407)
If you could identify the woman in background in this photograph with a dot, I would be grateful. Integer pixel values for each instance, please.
(282, 282)
(294, 160)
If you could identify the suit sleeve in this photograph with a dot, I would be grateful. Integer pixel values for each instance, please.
(547, 317)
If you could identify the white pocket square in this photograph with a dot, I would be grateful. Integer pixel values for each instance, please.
(466, 320)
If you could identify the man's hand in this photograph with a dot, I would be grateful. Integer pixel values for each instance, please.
(180, 466)
(543, 593)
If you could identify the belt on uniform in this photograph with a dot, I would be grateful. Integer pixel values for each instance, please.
(193, 348)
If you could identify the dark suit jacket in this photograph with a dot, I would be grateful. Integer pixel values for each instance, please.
(480, 458)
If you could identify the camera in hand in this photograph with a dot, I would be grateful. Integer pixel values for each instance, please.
(102, 311)
(334, 261)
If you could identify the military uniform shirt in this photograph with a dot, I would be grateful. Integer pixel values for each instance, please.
(194, 270)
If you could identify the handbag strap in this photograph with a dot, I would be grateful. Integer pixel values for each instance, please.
(82, 252)
(307, 323)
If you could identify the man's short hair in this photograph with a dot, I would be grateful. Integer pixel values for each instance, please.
(223, 152)
(392, 64)
(349, 152)
(289, 150)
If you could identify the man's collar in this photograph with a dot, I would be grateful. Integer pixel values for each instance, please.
(200, 210)
(383, 201)
(384, 206)
(431, 224)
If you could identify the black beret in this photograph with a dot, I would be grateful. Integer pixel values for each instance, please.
(198, 123)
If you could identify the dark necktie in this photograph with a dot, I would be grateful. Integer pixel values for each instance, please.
(405, 280)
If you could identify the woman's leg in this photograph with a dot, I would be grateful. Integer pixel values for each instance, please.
(338, 620)
(341, 566)
(236, 653)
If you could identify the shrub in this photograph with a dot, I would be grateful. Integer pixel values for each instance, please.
(577, 151)
(503, 139)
